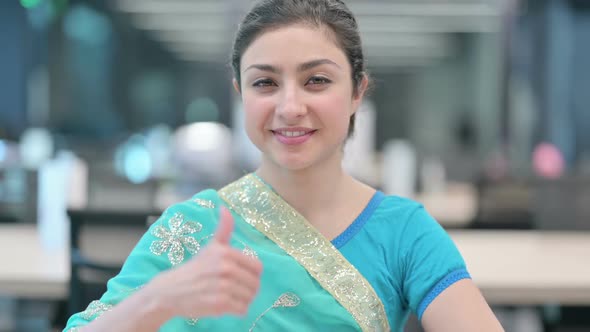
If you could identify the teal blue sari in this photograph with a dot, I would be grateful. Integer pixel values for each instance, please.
(307, 285)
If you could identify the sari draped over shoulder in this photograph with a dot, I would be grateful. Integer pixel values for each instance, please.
(306, 284)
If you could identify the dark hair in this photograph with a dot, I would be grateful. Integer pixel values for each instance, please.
(333, 14)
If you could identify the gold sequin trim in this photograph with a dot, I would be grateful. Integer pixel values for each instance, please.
(286, 300)
(95, 309)
(176, 238)
(204, 203)
(271, 215)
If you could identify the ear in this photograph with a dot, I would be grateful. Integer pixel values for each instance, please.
(236, 86)
(358, 97)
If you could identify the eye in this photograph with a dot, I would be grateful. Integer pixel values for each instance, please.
(264, 82)
(317, 80)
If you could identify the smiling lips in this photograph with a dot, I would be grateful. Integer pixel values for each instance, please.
(293, 136)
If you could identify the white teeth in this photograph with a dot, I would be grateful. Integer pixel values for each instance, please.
(292, 133)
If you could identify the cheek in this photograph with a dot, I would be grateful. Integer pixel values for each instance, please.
(335, 110)
(256, 111)
(256, 116)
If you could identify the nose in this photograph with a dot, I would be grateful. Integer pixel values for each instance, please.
(291, 107)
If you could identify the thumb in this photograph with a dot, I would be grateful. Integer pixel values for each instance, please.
(225, 228)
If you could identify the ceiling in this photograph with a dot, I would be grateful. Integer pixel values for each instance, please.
(394, 32)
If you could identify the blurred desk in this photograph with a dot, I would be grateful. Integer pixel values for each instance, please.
(456, 207)
(528, 267)
(26, 269)
(510, 267)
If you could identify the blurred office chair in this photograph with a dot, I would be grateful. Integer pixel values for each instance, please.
(100, 241)
(18, 195)
(107, 191)
(562, 204)
(504, 205)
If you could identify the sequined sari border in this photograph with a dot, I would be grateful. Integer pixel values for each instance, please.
(266, 211)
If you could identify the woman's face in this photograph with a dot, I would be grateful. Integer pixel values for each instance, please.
(298, 97)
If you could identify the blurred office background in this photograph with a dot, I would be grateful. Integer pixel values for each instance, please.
(112, 110)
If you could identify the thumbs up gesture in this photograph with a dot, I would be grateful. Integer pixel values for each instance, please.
(219, 280)
(226, 227)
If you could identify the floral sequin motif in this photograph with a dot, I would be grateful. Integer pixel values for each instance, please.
(286, 300)
(95, 309)
(175, 239)
(192, 322)
(204, 203)
(249, 252)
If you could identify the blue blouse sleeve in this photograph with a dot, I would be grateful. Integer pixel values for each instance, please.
(431, 262)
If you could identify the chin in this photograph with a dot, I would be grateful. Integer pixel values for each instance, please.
(301, 160)
(293, 163)
(293, 166)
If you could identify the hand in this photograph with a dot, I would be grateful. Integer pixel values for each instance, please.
(219, 280)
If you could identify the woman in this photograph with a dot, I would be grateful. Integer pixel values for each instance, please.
(305, 247)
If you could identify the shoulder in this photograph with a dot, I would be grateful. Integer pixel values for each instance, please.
(202, 208)
(418, 233)
(406, 219)
(201, 201)
(391, 219)
(398, 210)
(399, 205)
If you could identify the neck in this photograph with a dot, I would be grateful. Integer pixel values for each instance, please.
(309, 190)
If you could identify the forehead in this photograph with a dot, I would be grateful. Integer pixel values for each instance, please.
(293, 44)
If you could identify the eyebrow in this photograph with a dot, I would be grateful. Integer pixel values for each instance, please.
(302, 67)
